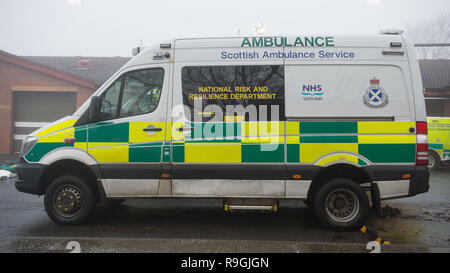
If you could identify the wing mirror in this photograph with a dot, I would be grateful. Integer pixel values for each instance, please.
(94, 108)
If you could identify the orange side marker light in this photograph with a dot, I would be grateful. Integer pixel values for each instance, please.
(69, 140)
(406, 176)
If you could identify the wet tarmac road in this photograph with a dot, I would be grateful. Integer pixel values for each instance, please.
(186, 225)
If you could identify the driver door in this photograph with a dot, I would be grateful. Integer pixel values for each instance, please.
(127, 139)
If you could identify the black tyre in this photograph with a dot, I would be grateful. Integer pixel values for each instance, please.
(435, 161)
(69, 200)
(341, 204)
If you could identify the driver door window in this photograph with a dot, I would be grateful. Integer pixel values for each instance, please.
(110, 101)
(141, 92)
(136, 93)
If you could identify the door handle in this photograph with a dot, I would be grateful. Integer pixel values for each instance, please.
(152, 128)
(182, 129)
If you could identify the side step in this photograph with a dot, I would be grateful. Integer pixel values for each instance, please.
(235, 204)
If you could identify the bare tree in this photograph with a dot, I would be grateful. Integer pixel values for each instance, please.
(436, 30)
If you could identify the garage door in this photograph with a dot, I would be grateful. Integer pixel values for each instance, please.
(33, 110)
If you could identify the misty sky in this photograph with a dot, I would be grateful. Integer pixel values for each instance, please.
(112, 28)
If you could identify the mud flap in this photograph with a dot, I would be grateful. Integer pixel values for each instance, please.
(376, 200)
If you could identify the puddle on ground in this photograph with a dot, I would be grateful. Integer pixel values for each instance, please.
(413, 226)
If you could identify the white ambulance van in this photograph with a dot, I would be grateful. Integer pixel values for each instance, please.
(439, 140)
(336, 121)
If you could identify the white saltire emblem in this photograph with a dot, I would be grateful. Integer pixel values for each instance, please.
(375, 96)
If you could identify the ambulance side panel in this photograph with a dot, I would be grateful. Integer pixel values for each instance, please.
(439, 136)
(231, 158)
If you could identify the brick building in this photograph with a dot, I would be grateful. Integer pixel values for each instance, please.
(436, 82)
(37, 90)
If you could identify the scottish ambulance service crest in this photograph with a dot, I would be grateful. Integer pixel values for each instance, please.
(375, 96)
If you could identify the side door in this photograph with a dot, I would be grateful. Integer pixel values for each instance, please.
(228, 138)
(127, 139)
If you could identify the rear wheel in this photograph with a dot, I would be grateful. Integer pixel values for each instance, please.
(341, 204)
(70, 200)
(434, 161)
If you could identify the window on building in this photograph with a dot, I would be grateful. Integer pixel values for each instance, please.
(244, 88)
(435, 107)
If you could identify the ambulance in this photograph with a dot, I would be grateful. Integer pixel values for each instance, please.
(439, 140)
(336, 121)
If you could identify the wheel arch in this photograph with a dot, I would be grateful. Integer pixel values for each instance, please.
(431, 150)
(340, 170)
(68, 153)
(91, 173)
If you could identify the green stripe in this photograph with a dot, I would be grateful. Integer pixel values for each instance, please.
(108, 132)
(388, 153)
(436, 146)
(326, 127)
(293, 153)
(262, 153)
(361, 162)
(41, 149)
(178, 152)
(328, 139)
(149, 152)
(81, 133)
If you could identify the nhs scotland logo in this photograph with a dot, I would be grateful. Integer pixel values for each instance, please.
(312, 92)
(375, 96)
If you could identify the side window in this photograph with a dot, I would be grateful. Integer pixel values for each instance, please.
(141, 91)
(256, 92)
(110, 101)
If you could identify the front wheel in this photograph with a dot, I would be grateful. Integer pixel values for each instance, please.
(341, 204)
(69, 200)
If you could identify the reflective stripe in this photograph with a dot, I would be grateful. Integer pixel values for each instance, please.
(242, 142)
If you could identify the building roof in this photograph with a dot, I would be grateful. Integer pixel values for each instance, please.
(93, 69)
(17, 60)
(435, 74)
